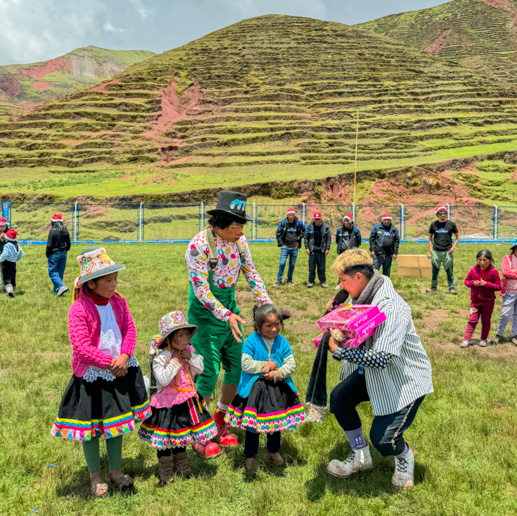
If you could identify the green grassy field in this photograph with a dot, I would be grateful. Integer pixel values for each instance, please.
(464, 436)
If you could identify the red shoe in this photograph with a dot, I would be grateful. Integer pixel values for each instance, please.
(207, 451)
(223, 437)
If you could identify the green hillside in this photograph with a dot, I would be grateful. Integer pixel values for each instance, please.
(480, 34)
(77, 70)
(268, 99)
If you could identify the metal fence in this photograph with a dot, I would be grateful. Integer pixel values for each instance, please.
(154, 222)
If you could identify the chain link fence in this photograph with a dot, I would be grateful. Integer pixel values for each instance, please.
(154, 222)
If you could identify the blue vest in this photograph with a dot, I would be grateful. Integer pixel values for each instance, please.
(255, 347)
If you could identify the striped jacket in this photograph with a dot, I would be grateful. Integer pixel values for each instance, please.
(408, 374)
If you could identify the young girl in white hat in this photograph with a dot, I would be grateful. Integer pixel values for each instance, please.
(179, 415)
(106, 394)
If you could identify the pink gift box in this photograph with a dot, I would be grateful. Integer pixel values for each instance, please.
(348, 318)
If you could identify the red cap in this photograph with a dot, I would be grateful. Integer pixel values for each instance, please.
(291, 210)
(57, 217)
(11, 235)
(4, 221)
(440, 208)
(348, 216)
(386, 216)
(317, 216)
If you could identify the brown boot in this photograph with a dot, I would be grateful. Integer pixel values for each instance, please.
(181, 466)
(165, 465)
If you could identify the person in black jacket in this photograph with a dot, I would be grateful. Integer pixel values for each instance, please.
(384, 244)
(58, 244)
(4, 226)
(347, 236)
(289, 237)
(317, 241)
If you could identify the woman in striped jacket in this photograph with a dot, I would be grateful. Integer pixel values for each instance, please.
(391, 370)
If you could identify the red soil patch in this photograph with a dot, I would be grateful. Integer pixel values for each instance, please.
(514, 175)
(10, 86)
(498, 4)
(93, 211)
(72, 142)
(41, 85)
(125, 176)
(439, 43)
(102, 87)
(39, 71)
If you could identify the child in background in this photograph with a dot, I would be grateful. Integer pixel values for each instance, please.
(11, 253)
(179, 416)
(267, 400)
(483, 280)
(106, 394)
(509, 291)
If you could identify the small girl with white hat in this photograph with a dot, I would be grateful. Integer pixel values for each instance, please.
(106, 394)
(179, 415)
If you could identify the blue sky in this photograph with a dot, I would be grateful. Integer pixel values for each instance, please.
(36, 30)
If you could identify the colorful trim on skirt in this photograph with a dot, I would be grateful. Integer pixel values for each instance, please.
(248, 418)
(179, 425)
(86, 430)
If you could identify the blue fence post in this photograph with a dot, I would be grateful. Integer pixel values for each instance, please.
(138, 208)
(77, 226)
(256, 221)
(493, 223)
(199, 218)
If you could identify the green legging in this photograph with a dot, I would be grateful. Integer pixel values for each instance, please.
(92, 455)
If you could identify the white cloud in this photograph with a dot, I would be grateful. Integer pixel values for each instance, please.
(142, 11)
(108, 27)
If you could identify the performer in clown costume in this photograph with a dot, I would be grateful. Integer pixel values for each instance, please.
(215, 258)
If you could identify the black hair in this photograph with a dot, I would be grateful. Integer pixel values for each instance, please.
(487, 254)
(168, 340)
(85, 286)
(366, 269)
(224, 220)
(262, 312)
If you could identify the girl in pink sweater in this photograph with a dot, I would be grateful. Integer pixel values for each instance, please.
(509, 291)
(106, 393)
(484, 281)
(179, 415)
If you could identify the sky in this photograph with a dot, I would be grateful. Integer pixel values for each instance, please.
(38, 30)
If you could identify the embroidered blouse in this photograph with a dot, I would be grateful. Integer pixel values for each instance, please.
(110, 343)
(225, 274)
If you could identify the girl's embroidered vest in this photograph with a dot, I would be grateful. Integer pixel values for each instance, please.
(178, 391)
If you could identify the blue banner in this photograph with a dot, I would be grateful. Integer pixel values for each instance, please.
(5, 210)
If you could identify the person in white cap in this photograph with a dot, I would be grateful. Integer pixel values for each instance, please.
(441, 247)
(289, 237)
(384, 244)
(58, 244)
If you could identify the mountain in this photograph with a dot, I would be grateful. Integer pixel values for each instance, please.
(269, 104)
(480, 34)
(77, 70)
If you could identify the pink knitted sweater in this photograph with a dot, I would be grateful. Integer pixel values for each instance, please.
(84, 328)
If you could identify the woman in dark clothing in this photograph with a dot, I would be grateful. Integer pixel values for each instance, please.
(58, 244)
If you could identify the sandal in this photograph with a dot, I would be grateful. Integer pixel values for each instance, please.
(102, 487)
(124, 482)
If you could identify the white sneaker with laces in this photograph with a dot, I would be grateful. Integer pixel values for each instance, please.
(465, 344)
(404, 475)
(358, 460)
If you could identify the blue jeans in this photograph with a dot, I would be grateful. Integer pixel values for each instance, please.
(56, 269)
(292, 252)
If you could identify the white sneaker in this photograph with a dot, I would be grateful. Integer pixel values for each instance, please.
(404, 475)
(465, 344)
(62, 290)
(358, 460)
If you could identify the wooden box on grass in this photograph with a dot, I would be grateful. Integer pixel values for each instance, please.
(414, 265)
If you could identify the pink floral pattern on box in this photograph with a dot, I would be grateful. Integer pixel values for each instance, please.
(226, 272)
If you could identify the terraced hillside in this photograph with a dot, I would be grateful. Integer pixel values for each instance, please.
(272, 98)
(481, 34)
(76, 70)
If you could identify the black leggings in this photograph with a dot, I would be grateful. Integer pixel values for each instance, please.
(251, 443)
(386, 432)
(170, 451)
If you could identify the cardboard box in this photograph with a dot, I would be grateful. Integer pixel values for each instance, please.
(414, 265)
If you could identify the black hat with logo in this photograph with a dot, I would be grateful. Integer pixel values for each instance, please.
(231, 203)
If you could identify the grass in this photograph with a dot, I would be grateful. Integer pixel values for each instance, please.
(464, 435)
